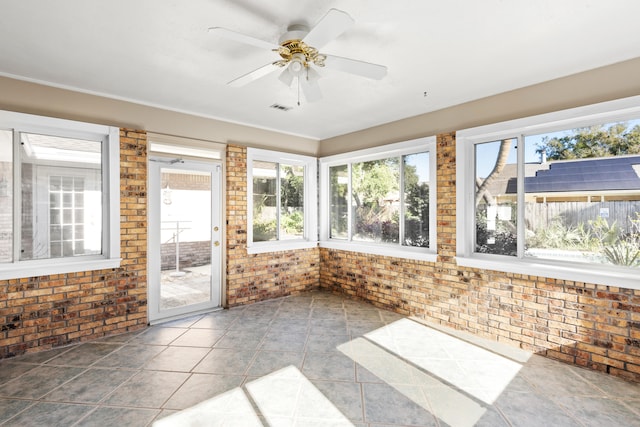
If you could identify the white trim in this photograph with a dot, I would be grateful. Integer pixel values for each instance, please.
(185, 147)
(217, 230)
(420, 145)
(612, 111)
(56, 266)
(110, 139)
(394, 251)
(279, 246)
(310, 236)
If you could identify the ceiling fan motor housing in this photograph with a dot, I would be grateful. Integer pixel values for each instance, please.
(295, 52)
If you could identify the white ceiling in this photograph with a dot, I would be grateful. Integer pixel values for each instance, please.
(160, 53)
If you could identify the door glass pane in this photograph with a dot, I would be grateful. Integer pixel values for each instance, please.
(338, 194)
(61, 192)
(265, 203)
(416, 199)
(185, 238)
(291, 202)
(6, 196)
(375, 190)
(496, 180)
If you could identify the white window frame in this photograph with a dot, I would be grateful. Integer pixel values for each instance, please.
(606, 112)
(397, 250)
(110, 138)
(310, 235)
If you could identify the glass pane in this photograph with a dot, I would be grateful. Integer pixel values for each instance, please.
(375, 189)
(339, 210)
(6, 196)
(61, 189)
(416, 199)
(496, 180)
(185, 238)
(582, 190)
(265, 201)
(291, 202)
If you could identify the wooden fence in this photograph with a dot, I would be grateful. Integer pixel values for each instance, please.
(573, 213)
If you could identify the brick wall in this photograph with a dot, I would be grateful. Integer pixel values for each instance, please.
(257, 277)
(588, 325)
(192, 254)
(39, 313)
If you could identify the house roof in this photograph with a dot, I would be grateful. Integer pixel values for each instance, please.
(600, 174)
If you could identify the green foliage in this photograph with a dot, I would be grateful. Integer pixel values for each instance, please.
(263, 230)
(594, 141)
(558, 236)
(615, 246)
(622, 252)
(625, 249)
(291, 187)
(372, 181)
(293, 223)
(504, 237)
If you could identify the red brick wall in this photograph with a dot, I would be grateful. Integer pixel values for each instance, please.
(38, 313)
(257, 277)
(588, 325)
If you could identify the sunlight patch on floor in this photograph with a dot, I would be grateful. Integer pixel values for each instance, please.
(472, 369)
(446, 403)
(232, 408)
(287, 398)
(284, 398)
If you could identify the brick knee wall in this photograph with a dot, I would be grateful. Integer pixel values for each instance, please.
(38, 313)
(257, 277)
(588, 325)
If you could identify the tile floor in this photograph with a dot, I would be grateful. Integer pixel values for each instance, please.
(310, 360)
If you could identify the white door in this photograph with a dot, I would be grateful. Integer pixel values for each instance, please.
(185, 233)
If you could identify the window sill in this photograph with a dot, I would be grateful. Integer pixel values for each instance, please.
(546, 268)
(42, 268)
(264, 247)
(416, 254)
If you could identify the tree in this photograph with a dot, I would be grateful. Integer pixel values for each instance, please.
(291, 187)
(501, 161)
(594, 141)
(372, 181)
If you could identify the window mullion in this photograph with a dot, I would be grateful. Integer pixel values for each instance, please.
(520, 197)
(350, 201)
(278, 201)
(17, 197)
(402, 203)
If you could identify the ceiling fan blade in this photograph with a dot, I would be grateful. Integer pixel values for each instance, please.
(353, 66)
(310, 89)
(253, 75)
(286, 77)
(242, 38)
(334, 23)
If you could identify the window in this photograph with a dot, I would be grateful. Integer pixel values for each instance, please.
(381, 200)
(281, 209)
(55, 182)
(559, 192)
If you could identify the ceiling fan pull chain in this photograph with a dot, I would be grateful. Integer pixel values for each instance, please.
(298, 90)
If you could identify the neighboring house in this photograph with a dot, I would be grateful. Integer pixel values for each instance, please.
(585, 180)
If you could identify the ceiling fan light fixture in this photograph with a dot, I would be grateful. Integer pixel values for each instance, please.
(297, 64)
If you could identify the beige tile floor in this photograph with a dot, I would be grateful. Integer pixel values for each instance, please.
(310, 360)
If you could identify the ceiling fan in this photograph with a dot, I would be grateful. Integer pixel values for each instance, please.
(299, 54)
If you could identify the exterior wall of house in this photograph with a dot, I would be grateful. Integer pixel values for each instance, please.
(38, 313)
(588, 325)
(257, 277)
